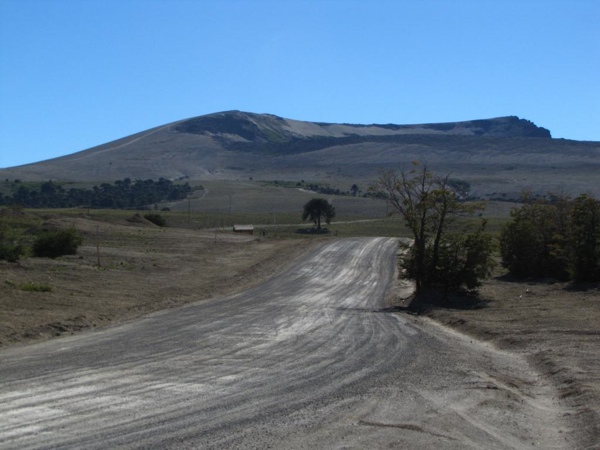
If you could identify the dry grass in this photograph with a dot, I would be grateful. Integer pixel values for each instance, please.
(143, 268)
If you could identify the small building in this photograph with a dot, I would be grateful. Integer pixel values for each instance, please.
(247, 229)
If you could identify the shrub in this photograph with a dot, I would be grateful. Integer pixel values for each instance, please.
(10, 251)
(36, 287)
(463, 260)
(156, 219)
(52, 244)
(11, 247)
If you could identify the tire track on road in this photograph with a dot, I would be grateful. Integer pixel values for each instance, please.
(309, 354)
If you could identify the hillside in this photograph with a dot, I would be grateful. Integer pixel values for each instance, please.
(499, 156)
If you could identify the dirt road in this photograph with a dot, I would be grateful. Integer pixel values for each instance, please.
(310, 359)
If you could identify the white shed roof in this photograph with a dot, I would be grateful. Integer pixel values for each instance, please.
(243, 227)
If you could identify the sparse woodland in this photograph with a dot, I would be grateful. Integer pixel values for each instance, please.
(553, 237)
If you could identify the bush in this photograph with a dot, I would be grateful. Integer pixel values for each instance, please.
(52, 244)
(463, 260)
(10, 251)
(11, 247)
(156, 219)
(36, 287)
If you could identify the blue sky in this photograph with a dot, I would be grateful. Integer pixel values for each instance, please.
(79, 73)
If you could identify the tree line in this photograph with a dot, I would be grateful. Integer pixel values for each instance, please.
(321, 189)
(122, 194)
(553, 237)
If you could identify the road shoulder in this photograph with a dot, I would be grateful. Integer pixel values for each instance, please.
(555, 327)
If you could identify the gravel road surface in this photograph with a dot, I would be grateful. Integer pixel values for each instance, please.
(310, 359)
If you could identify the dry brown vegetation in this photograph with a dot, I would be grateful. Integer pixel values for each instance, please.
(142, 268)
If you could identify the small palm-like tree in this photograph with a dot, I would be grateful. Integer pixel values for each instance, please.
(317, 208)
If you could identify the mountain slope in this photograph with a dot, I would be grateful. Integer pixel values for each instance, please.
(507, 152)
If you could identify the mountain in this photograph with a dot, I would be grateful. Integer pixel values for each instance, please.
(497, 156)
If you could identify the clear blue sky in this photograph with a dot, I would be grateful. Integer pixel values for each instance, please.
(79, 73)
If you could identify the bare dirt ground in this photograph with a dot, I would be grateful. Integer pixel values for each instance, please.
(556, 327)
(144, 268)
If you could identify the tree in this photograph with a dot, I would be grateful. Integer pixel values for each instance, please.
(553, 237)
(463, 261)
(11, 247)
(316, 208)
(534, 243)
(431, 209)
(584, 248)
(354, 190)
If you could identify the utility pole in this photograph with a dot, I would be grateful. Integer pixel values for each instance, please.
(97, 246)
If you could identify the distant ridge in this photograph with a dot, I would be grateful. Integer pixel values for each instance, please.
(242, 131)
(271, 128)
(236, 145)
(500, 126)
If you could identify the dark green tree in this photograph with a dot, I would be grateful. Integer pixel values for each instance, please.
(121, 194)
(463, 261)
(318, 208)
(534, 243)
(584, 240)
(55, 243)
(11, 245)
